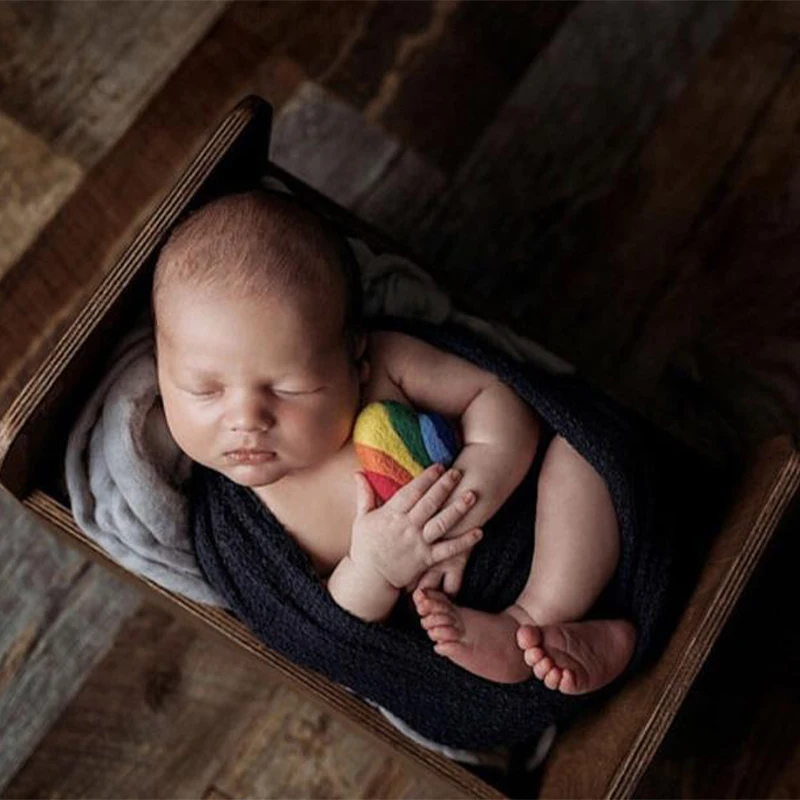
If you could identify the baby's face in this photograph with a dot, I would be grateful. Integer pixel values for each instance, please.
(251, 387)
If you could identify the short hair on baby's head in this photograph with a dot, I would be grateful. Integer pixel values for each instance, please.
(261, 243)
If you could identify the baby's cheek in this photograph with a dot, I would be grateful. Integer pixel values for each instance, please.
(331, 431)
(189, 433)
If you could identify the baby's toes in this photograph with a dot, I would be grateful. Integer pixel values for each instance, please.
(450, 649)
(435, 620)
(542, 667)
(553, 678)
(421, 602)
(438, 598)
(444, 633)
(567, 683)
(528, 636)
(533, 656)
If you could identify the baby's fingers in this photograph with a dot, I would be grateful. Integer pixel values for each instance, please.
(404, 499)
(440, 525)
(452, 547)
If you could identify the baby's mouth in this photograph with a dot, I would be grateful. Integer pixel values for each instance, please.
(249, 456)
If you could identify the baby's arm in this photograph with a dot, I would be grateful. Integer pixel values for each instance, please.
(365, 593)
(500, 431)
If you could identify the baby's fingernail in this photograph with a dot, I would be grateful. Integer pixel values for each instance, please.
(455, 473)
(469, 498)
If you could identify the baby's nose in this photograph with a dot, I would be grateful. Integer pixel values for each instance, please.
(251, 426)
(250, 415)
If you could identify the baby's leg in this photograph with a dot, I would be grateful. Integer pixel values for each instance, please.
(576, 552)
(576, 538)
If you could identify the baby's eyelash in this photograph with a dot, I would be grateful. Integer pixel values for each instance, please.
(285, 391)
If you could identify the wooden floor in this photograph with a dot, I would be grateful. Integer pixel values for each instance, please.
(620, 181)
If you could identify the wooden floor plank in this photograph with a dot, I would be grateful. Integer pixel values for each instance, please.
(400, 201)
(60, 614)
(395, 62)
(156, 718)
(328, 143)
(171, 714)
(34, 184)
(325, 142)
(463, 63)
(78, 74)
(709, 327)
(686, 170)
(561, 139)
(295, 749)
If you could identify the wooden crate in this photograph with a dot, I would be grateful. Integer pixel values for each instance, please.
(729, 517)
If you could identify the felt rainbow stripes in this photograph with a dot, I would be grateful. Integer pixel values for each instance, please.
(394, 443)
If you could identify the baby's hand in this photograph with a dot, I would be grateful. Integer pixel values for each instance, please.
(446, 575)
(400, 540)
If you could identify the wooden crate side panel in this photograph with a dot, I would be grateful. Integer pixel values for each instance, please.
(606, 753)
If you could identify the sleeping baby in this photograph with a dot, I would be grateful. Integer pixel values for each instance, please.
(263, 368)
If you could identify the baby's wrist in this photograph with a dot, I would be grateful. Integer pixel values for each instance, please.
(362, 591)
(368, 575)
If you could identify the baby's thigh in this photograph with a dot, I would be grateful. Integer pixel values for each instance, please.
(567, 475)
(574, 509)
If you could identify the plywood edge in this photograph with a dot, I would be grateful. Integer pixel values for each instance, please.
(349, 708)
(605, 753)
(14, 444)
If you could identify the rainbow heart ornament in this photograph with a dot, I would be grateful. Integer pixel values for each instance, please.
(394, 443)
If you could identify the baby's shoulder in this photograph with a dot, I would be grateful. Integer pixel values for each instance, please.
(385, 346)
(386, 352)
(396, 352)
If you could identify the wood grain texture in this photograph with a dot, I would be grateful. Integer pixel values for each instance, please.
(447, 81)
(395, 62)
(60, 614)
(712, 145)
(562, 138)
(295, 749)
(146, 722)
(78, 74)
(325, 142)
(329, 145)
(170, 714)
(399, 202)
(34, 184)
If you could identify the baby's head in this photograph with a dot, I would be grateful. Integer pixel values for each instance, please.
(258, 340)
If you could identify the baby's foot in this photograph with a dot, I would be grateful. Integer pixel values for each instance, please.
(481, 643)
(577, 657)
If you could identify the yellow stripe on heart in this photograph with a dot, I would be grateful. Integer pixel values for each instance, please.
(374, 428)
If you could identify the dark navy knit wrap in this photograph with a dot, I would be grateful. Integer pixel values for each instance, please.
(271, 585)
